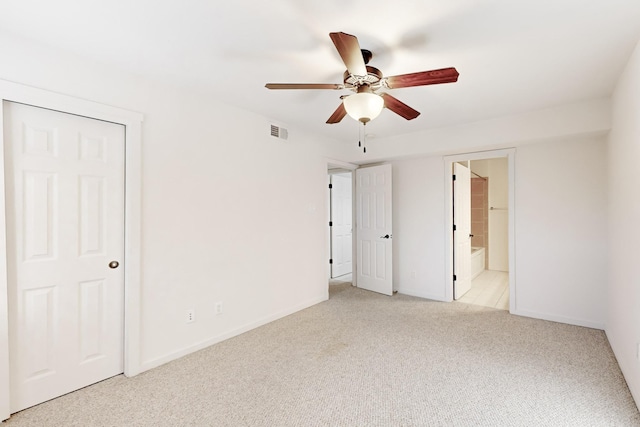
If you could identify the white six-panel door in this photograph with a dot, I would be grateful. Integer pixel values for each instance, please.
(462, 233)
(341, 228)
(374, 232)
(65, 220)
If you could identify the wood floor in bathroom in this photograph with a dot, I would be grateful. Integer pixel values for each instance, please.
(489, 289)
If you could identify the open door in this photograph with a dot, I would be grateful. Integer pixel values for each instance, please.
(341, 225)
(374, 233)
(462, 230)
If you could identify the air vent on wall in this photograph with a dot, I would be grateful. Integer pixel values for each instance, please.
(279, 132)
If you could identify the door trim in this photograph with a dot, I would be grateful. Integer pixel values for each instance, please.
(509, 153)
(132, 122)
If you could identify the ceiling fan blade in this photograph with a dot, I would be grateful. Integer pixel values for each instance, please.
(423, 78)
(349, 50)
(337, 115)
(399, 107)
(303, 86)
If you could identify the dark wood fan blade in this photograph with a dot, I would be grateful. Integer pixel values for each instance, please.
(303, 86)
(337, 115)
(423, 78)
(349, 50)
(399, 107)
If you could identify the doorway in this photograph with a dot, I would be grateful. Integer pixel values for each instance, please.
(341, 224)
(340, 220)
(371, 240)
(487, 260)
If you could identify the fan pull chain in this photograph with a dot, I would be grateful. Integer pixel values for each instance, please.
(364, 137)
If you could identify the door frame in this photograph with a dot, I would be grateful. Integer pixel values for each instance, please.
(132, 121)
(509, 153)
(344, 167)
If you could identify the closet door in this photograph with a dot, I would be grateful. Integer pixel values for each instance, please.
(65, 238)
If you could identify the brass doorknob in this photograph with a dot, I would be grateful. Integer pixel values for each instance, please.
(114, 264)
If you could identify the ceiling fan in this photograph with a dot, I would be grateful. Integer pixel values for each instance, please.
(369, 84)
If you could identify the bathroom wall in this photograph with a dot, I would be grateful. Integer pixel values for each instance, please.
(498, 214)
(496, 239)
(480, 214)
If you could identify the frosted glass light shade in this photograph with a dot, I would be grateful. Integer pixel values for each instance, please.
(363, 106)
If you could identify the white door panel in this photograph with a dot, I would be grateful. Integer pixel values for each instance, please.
(65, 220)
(462, 233)
(342, 228)
(373, 213)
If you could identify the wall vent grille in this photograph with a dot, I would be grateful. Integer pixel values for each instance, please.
(279, 132)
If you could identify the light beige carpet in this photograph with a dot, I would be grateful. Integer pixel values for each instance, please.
(363, 359)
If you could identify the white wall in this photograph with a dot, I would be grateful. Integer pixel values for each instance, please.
(560, 222)
(498, 174)
(590, 117)
(418, 227)
(554, 292)
(623, 314)
(560, 196)
(230, 213)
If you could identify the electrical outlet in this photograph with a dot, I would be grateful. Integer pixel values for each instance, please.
(191, 316)
(413, 274)
(218, 308)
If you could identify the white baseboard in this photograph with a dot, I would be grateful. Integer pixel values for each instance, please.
(421, 294)
(559, 319)
(154, 363)
(626, 365)
(525, 313)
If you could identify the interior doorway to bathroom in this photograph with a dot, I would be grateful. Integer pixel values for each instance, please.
(481, 202)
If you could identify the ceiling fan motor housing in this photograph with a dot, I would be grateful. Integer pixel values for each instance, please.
(373, 76)
(366, 55)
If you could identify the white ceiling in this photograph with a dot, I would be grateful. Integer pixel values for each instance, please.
(513, 55)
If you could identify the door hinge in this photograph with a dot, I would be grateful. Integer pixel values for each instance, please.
(330, 261)
(330, 186)
(330, 223)
(454, 278)
(454, 227)
(454, 177)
